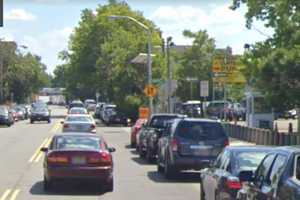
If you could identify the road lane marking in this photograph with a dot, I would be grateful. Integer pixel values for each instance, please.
(5, 194)
(38, 150)
(56, 127)
(40, 154)
(14, 195)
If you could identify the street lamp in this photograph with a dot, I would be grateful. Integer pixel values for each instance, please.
(149, 60)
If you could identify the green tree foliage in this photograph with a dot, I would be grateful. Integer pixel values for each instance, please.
(24, 74)
(273, 66)
(194, 62)
(100, 55)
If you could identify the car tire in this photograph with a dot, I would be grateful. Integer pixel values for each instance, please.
(202, 193)
(160, 169)
(47, 184)
(31, 121)
(169, 170)
(49, 121)
(149, 156)
(109, 187)
(132, 145)
(141, 152)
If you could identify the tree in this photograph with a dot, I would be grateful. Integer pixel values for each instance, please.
(195, 62)
(273, 65)
(100, 54)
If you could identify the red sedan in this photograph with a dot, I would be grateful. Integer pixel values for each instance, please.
(134, 130)
(78, 157)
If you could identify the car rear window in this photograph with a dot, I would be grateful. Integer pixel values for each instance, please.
(161, 121)
(76, 105)
(78, 119)
(77, 142)
(77, 110)
(200, 130)
(246, 161)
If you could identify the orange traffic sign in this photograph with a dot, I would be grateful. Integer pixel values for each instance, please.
(150, 90)
(144, 112)
(217, 67)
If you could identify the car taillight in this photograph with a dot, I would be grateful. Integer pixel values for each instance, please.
(233, 183)
(93, 126)
(57, 159)
(174, 145)
(105, 157)
(66, 125)
(226, 143)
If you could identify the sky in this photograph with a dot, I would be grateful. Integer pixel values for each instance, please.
(44, 26)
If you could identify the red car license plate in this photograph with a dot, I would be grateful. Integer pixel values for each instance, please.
(78, 160)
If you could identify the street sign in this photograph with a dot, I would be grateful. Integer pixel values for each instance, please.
(204, 88)
(217, 67)
(144, 112)
(150, 90)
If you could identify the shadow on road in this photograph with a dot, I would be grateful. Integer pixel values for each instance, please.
(184, 177)
(140, 161)
(67, 189)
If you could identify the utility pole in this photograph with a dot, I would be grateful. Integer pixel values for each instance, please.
(169, 44)
(1, 80)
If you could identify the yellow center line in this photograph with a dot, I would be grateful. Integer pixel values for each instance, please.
(37, 151)
(56, 127)
(41, 153)
(14, 195)
(5, 194)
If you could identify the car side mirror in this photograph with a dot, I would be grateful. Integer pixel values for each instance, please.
(44, 149)
(111, 149)
(246, 176)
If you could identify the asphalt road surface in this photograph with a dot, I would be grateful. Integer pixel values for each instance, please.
(21, 168)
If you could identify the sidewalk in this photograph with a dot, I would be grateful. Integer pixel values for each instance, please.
(236, 142)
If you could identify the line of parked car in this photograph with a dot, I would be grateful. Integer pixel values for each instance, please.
(78, 154)
(177, 143)
(11, 114)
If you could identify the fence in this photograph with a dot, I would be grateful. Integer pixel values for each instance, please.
(261, 136)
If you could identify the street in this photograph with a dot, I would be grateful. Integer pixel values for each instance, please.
(21, 168)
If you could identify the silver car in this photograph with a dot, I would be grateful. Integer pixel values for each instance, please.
(79, 123)
(78, 111)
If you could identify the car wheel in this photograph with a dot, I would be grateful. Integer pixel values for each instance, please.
(109, 187)
(47, 184)
(141, 152)
(149, 156)
(31, 121)
(160, 169)
(132, 145)
(202, 194)
(49, 121)
(169, 170)
(8, 124)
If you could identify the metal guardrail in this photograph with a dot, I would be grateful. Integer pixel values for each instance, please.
(261, 136)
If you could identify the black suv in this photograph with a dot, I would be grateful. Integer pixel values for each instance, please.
(190, 144)
(151, 132)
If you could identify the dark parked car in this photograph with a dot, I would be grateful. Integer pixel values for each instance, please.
(276, 178)
(190, 144)
(222, 180)
(155, 134)
(39, 114)
(78, 156)
(156, 124)
(6, 117)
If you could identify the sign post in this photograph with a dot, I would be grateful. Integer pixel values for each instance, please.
(97, 96)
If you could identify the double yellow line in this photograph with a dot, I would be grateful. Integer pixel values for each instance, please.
(38, 153)
(36, 157)
(10, 193)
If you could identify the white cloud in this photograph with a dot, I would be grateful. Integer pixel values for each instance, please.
(222, 23)
(19, 14)
(48, 45)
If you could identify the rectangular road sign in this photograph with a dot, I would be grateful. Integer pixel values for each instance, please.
(204, 88)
